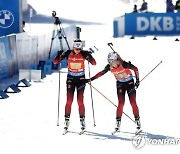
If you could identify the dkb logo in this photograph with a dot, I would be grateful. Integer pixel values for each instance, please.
(6, 19)
(155, 24)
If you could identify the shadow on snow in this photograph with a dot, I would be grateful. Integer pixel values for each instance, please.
(125, 136)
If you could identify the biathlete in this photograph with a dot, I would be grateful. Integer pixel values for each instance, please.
(124, 82)
(75, 78)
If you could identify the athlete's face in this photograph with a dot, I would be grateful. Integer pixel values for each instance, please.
(114, 64)
(77, 50)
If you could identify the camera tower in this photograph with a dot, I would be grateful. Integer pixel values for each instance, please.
(58, 31)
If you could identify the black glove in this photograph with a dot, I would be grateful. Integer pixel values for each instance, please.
(136, 85)
(86, 80)
(60, 52)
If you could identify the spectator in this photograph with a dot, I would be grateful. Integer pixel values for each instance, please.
(23, 25)
(144, 7)
(177, 6)
(135, 9)
(169, 6)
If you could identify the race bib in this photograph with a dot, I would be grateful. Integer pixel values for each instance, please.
(122, 76)
(75, 65)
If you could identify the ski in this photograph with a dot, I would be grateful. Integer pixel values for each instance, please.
(138, 131)
(82, 131)
(114, 132)
(67, 131)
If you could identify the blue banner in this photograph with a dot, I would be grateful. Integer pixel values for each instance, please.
(10, 17)
(141, 24)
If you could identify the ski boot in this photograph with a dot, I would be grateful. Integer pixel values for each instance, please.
(82, 122)
(137, 120)
(66, 123)
(117, 127)
(118, 124)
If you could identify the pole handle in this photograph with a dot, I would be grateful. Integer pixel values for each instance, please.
(110, 45)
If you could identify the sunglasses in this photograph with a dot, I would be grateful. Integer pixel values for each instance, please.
(111, 60)
(78, 48)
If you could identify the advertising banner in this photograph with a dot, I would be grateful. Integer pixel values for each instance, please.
(10, 17)
(142, 24)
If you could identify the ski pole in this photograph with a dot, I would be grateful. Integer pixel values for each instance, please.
(146, 76)
(109, 100)
(58, 97)
(110, 45)
(151, 71)
(91, 94)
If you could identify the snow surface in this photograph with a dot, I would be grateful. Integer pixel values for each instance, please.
(28, 120)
